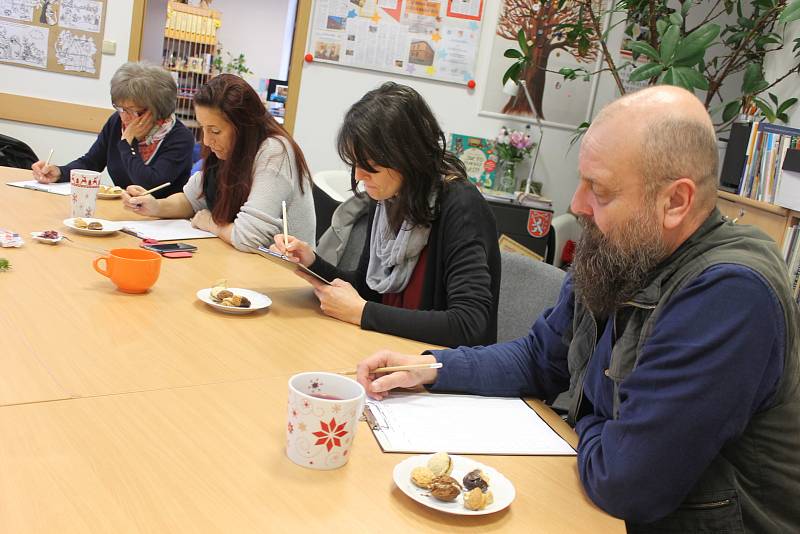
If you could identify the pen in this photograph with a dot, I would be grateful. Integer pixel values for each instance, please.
(156, 188)
(285, 227)
(50, 155)
(392, 369)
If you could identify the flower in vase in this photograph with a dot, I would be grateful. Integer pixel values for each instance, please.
(514, 145)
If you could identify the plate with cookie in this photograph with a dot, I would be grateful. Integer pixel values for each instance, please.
(233, 300)
(109, 192)
(454, 484)
(91, 226)
(48, 237)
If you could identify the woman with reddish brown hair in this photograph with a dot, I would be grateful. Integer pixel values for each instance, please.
(251, 164)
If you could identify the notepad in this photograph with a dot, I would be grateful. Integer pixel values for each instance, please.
(461, 424)
(58, 188)
(164, 230)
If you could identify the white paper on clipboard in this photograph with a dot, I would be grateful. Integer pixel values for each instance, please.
(461, 424)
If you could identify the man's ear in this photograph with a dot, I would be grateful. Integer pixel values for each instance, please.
(679, 198)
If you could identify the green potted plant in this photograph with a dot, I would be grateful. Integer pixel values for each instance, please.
(677, 53)
(236, 65)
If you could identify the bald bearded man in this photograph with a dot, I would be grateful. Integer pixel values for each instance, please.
(676, 333)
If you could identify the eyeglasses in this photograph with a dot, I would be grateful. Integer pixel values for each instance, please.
(130, 111)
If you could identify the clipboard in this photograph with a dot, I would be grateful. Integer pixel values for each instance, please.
(418, 423)
(285, 262)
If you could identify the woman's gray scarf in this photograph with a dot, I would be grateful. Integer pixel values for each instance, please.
(392, 258)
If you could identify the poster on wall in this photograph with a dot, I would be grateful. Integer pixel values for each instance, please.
(436, 40)
(479, 157)
(62, 36)
(556, 101)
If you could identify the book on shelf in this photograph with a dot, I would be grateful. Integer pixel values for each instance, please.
(791, 253)
(787, 193)
(764, 169)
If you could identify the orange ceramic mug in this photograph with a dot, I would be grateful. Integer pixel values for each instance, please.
(133, 270)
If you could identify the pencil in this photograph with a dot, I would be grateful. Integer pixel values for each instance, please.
(285, 227)
(156, 188)
(50, 155)
(392, 369)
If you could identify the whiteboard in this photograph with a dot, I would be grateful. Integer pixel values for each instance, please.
(435, 40)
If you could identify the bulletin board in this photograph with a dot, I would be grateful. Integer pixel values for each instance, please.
(436, 40)
(64, 36)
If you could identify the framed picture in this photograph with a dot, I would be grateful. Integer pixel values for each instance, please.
(557, 102)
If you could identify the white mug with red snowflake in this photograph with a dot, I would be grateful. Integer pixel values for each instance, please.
(85, 185)
(324, 409)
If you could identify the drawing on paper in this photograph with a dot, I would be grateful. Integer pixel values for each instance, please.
(18, 9)
(75, 52)
(545, 23)
(48, 14)
(23, 44)
(86, 15)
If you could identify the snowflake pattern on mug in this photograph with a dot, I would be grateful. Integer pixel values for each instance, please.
(314, 385)
(330, 434)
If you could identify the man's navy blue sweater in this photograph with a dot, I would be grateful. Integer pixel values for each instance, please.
(714, 358)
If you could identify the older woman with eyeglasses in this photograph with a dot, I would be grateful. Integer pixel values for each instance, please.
(143, 143)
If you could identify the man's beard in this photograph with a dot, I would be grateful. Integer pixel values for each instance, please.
(610, 269)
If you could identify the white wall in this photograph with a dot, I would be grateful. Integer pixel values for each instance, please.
(257, 28)
(153, 32)
(68, 144)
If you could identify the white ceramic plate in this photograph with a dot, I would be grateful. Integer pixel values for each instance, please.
(109, 227)
(110, 193)
(38, 237)
(257, 301)
(502, 489)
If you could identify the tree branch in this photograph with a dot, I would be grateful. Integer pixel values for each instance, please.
(716, 83)
(708, 17)
(606, 54)
(796, 69)
(653, 26)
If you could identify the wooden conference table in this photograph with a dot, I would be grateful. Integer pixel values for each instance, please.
(154, 413)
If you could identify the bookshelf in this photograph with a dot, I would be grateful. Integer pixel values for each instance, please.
(190, 46)
(771, 219)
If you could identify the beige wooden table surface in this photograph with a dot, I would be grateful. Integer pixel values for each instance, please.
(177, 418)
(96, 340)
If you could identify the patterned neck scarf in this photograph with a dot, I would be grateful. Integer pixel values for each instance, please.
(151, 142)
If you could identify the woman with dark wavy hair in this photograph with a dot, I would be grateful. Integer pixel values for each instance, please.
(430, 268)
(251, 164)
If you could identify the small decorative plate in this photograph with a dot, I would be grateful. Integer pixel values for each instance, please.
(38, 236)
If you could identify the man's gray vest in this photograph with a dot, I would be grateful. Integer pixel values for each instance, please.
(753, 485)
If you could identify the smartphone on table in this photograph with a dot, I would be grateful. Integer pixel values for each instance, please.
(162, 248)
